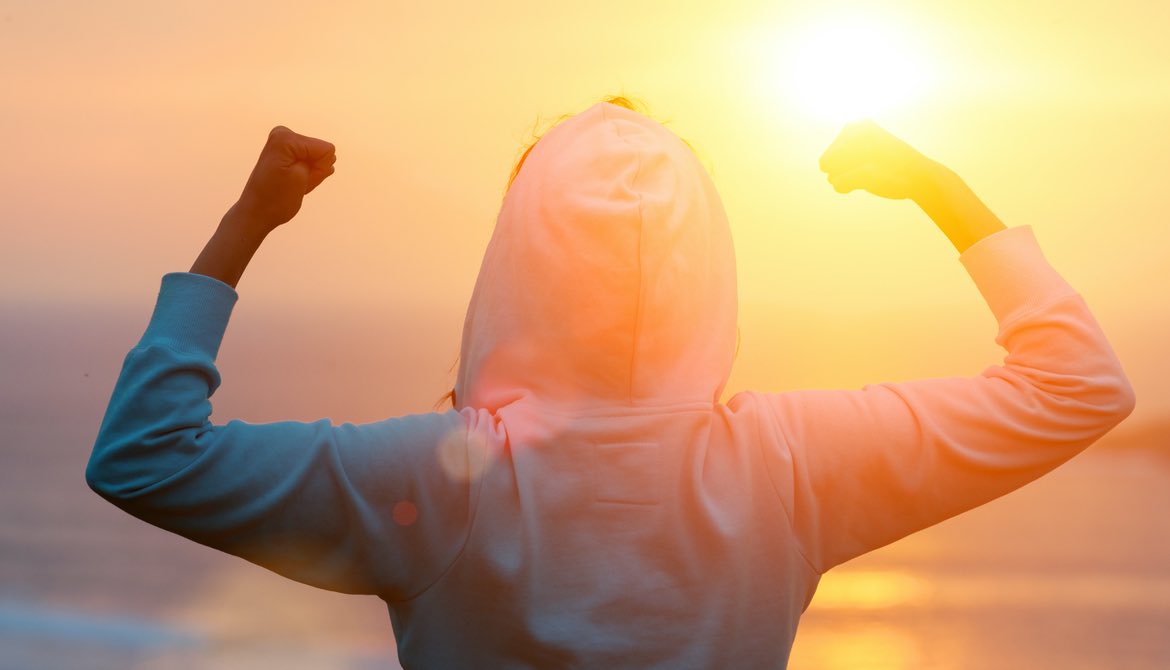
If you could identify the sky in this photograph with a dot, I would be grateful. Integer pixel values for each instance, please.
(130, 127)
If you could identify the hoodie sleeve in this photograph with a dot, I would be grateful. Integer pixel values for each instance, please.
(352, 508)
(857, 470)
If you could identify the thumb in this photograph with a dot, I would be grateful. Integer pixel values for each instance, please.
(853, 179)
(869, 178)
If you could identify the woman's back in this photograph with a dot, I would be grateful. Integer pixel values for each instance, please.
(648, 540)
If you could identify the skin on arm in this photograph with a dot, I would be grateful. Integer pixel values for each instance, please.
(290, 166)
(866, 156)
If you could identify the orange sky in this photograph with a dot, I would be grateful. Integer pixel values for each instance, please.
(130, 128)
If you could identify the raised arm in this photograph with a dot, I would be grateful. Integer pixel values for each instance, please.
(859, 469)
(289, 168)
(375, 508)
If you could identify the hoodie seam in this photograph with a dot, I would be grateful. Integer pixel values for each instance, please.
(638, 304)
(771, 418)
(475, 496)
(618, 411)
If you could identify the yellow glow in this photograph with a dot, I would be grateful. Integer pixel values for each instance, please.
(851, 647)
(875, 589)
(853, 67)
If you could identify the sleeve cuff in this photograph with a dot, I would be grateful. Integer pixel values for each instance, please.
(1012, 274)
(192, 313)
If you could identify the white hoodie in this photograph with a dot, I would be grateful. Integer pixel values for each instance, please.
(590, 502)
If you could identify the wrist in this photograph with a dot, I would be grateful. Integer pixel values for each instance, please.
(955, 208)
(245, 222)
(232, 246)
(938, 185)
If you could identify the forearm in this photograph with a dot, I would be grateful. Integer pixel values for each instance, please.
(231, 247)
(956, 210)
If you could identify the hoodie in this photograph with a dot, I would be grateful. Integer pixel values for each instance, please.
(590, 502)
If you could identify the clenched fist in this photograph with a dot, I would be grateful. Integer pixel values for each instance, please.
(866, 156)
(290, 166)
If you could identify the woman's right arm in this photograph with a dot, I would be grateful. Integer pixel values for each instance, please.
(859, 469)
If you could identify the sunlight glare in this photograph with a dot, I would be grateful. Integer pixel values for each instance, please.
(853, 67)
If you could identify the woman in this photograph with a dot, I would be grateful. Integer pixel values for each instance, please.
(588, 501)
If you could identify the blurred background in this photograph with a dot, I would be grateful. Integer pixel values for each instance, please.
(130, 127)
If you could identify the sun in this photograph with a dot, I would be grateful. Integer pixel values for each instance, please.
(850, 67)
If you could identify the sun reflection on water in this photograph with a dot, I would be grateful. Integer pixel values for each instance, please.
(869, 589)
(872, 647)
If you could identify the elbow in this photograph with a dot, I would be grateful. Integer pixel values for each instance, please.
(101, 475)
(96, 478)
(1107, 403)
(1116, 404)
(110, 463)
(1081, 408)
(123, 467)
(1112, 396)
(1123, 400)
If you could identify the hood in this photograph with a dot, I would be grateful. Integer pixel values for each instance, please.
(609, 280)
